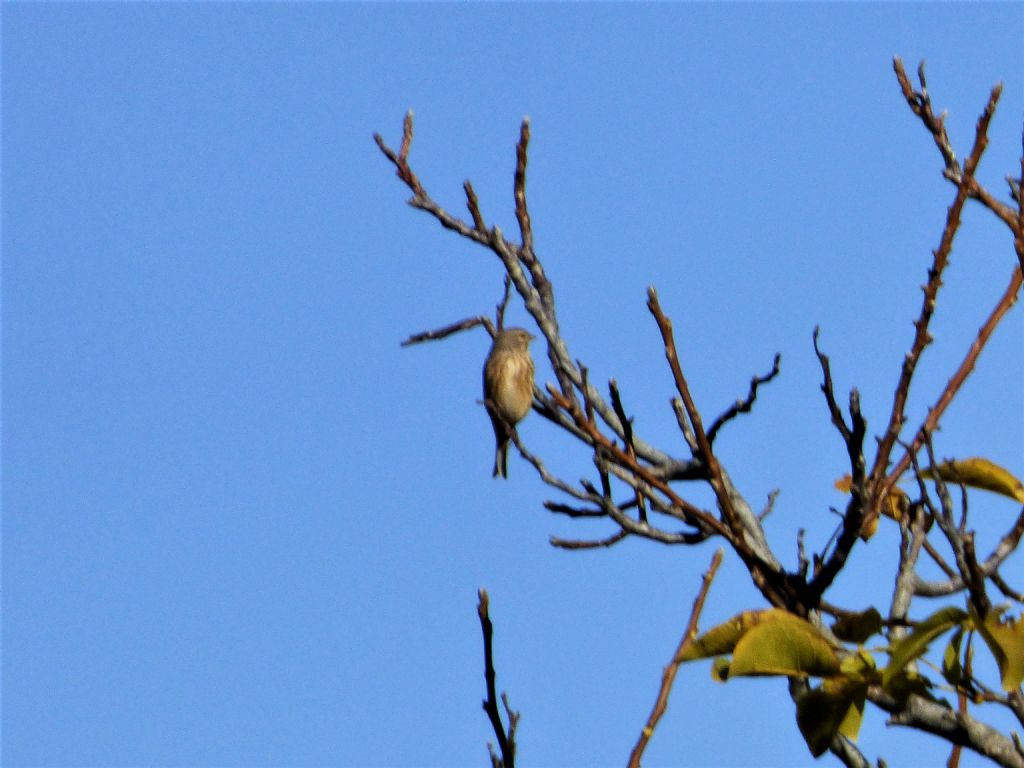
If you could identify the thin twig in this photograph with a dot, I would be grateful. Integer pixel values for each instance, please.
(669, 674)
(706, 455)
(506, 738)
(448, 330)
(1006, 301)
(744, 405)
(828, 390)
(499, 311)
(698, 518)
(920, 104)
(522, 214)
(627, 426)
(473, 204)
(612, 540)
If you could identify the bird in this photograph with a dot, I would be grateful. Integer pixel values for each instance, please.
(508, 389)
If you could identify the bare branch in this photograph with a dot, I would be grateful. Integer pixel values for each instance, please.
(920, 104)
(610, 541)
(669, 674)
(912, 536)
(522, 214)
(1006, 301)
(828, 390)
(854, 518)
(1005, 588)
(505, 737)
(448, 330)
(474, 206)
(627, 426)
(953, 726)
(499, 311)
(746, 404)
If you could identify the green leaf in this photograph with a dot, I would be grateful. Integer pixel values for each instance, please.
(916, 643)
(952, 669)
(858, 627)
(1006, 641)
(860, 667)
(788, 645)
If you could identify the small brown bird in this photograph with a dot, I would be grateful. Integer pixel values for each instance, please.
(508, 389)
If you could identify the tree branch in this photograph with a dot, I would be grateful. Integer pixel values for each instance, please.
(506, 737)
(669, 674)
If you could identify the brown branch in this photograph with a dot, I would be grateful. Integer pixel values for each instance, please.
(696, 517)
(499, 311)
(401, 159)
(1018, 242)
(703, 444)
(922, 337)
(669, 674)
(519, 188)
(534, 288)
(506, 738)
(746, 404)
(920, 104)
(474, 206)
(448, 330)
(1006, 301)
(612, 540)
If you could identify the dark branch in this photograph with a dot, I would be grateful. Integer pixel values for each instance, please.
(448, 330)
(747, 403)
(505, 737)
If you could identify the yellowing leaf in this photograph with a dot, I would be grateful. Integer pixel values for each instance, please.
(895, 506)
(916, 643)
(1006, 641)
(978, 473)
(722, 639)
(788, 645)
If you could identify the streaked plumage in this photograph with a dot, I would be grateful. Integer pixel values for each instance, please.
(508, 389)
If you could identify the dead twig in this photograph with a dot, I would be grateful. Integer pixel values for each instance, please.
(745, 404)
(505, 736)
(669, 674)
(448, 330)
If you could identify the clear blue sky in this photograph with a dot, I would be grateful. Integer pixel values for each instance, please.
(242, 527)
